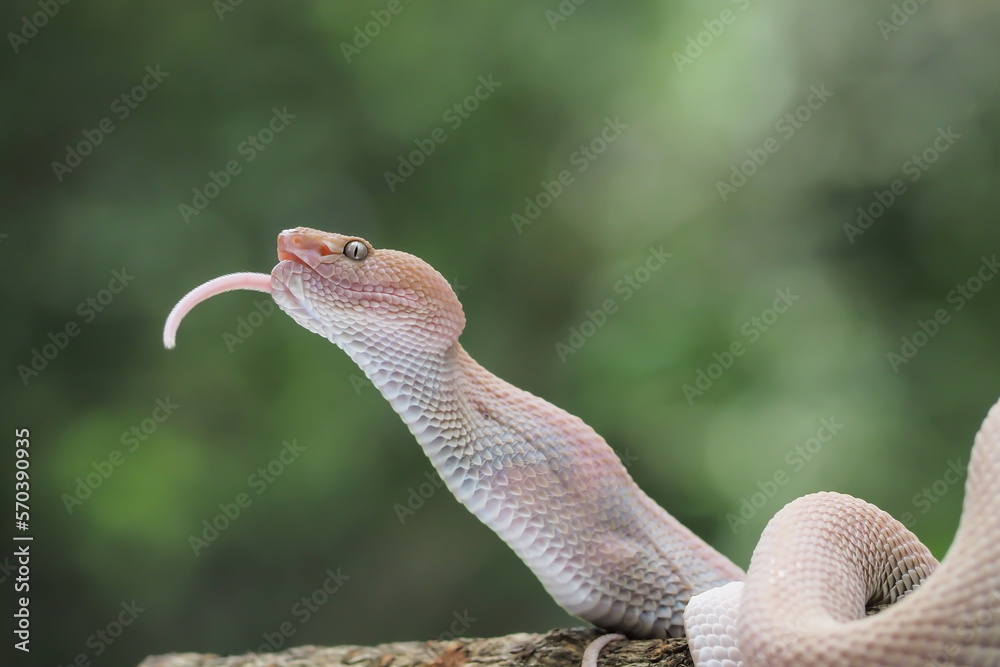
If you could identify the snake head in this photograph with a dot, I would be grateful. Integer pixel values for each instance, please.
(361, 297)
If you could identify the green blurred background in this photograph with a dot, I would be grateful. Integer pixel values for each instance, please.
(702, 88)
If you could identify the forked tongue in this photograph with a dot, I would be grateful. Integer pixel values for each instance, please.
(258, 282)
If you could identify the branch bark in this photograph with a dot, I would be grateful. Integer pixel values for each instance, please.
(558, 648)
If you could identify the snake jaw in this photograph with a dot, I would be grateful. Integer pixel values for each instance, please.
(291, 295)
(315, 249)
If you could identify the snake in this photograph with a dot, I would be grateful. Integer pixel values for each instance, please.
(553, 489)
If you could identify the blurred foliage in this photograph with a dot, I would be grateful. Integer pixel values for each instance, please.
(697, 88)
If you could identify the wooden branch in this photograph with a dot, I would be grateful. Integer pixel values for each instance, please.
(558, 648)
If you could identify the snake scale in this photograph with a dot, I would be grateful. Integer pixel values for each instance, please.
(556, 493)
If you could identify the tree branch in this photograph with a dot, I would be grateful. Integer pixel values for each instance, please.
(558, 648)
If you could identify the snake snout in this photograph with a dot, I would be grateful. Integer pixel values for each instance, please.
(305, 246)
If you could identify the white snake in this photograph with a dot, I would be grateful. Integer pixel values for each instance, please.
(554, 491)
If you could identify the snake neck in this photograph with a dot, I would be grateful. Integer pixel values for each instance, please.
(551, 488)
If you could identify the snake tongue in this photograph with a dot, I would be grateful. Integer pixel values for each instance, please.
(258, 282)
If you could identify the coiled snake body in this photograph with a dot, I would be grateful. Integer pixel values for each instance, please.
(554, 491)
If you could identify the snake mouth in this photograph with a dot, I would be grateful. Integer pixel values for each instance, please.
(305, 246)
(310, 249)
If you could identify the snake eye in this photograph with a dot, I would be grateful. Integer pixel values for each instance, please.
(356, 250)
